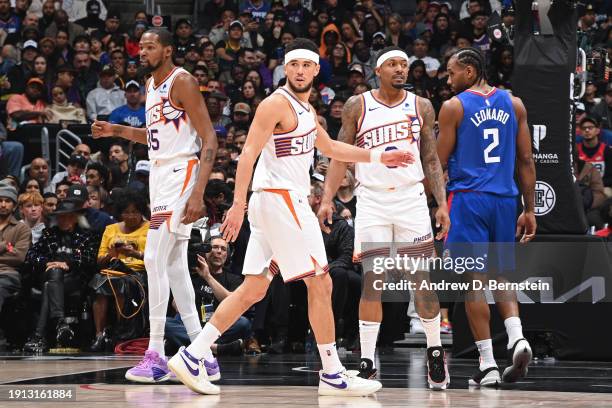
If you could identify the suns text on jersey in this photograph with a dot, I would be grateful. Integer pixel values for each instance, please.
(386, 134)
(154, 114)
(490, 114)
(303, 144)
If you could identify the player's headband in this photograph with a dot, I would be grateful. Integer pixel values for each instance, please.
(302, 53)
(391, 54)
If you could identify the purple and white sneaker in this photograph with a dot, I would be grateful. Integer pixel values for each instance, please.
(192, 372)
(346, 383)
(212, 369)
(151, 369)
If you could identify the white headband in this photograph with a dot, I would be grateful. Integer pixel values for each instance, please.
(391, 54)
(302, 53)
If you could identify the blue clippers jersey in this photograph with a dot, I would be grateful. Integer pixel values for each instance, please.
(485, 149)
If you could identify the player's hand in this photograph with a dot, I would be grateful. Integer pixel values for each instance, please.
(232, 222)
(325, 214)
(526, 226)
(397, 158)
(101, 129)
(442, 222)
(193, 208)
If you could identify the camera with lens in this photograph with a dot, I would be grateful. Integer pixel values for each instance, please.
(199, 242)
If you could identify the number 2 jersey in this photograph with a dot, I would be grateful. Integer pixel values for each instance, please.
(485, 148)
(170, 133)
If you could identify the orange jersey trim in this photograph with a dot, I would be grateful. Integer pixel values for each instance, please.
(287, 198)
(190, 165)
(164, 80)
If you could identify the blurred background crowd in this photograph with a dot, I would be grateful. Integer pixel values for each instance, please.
(73, 227)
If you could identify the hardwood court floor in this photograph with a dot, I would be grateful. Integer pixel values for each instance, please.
(290, 380)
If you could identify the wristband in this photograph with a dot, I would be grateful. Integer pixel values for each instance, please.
(376, 156)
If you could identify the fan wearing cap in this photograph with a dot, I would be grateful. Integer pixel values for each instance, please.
(111, 26)
(133, 112)
(28, 107)
(97, 220)
(405, 121)
(106, 97)
(183, 36)
(283, 136)
(178, 128)
(227, 50)
(74, 173)
(92, 21)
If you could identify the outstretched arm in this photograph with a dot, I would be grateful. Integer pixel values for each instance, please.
(185, 92)
(104, 129)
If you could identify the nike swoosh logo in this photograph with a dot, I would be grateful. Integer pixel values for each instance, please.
(299, 113)
(371, 109)
(341, 386)
(195, 372)
(177, 170)
(158, 373)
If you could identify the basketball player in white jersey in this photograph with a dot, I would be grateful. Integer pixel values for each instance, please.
(392, 213)
(178, 128)
(285, 235)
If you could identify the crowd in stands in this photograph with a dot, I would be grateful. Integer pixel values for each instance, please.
(72, 240)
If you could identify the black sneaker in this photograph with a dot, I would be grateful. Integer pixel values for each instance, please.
(65, 335)
(519, 357)
(234, 348)
(486, 378)
(36, 344)
(366, 369)
(102, 342)
(437, 370)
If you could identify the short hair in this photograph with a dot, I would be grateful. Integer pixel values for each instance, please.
(219, 170)
(126, 198)
(386, 50)
(81, 38)
(317, 189)
(302, 43)
(100, 168)
(63, 182)
(163, 36)
(473, 57)
(120, 143)
(30, 198)
(49, 195)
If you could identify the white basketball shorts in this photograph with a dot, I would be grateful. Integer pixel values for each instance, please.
(392, 222)
(170, 185)
(285, 236)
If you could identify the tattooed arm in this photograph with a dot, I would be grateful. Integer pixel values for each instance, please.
(431, 164)
(337, 169)
(185, 93)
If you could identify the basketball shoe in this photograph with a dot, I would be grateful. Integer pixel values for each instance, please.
(193, 372)
(151, 369)
(437, 369)
(486, 378)
(366, 369)
(346, 383)
(519, 357)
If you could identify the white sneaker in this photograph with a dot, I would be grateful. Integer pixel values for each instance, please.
(519, 357)
(486, 378)
(192, 372)
(416, 326)
(346, 383)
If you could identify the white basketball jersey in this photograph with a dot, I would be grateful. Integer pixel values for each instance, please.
(170, 133)
(286, 158)
(384, 127)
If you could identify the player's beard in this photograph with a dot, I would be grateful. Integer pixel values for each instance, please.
(148, 69)
(296, 90)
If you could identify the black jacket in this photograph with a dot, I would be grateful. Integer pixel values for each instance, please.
(339, 244)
